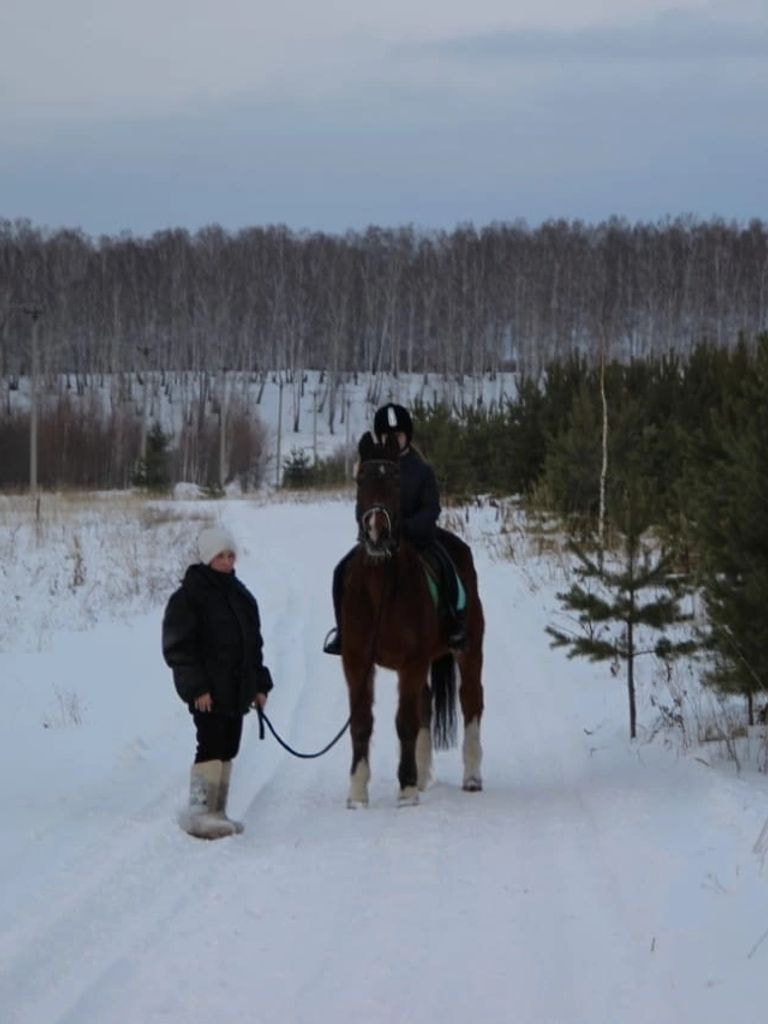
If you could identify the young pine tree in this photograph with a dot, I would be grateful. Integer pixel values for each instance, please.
(626, 600)
(153, 471)
(730, 526)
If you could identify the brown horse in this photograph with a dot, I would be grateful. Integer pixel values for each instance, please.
(389, 618)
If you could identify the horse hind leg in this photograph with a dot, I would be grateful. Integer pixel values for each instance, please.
(408, 726)
(470, 662)
(408, 775)
(423, 758)
(408, 796)
(424, 741)
(473, 756)
(471, 700)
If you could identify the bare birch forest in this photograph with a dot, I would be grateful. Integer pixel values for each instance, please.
(100, 338)
(384, 300)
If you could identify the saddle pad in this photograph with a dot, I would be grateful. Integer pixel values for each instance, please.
(434, 586)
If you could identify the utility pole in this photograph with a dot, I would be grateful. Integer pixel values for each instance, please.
(144, 351)
(279, 431)
(314, 425)
(347, 403)
(223, 429)
(34, 313)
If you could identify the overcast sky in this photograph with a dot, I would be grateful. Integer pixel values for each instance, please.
(336, 114)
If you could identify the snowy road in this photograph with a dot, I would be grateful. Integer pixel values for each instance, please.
(592, 882)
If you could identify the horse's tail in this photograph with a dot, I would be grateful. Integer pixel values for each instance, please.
(443, 681)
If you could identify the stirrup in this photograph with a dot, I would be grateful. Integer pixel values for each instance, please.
(457, 640)
(332, 642)
(457, 632)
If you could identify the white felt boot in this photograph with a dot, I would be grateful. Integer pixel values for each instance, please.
(202, 818)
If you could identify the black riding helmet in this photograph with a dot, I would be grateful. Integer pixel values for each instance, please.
(391, 418)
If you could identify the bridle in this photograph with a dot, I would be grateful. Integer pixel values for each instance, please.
(376, 539)
(377, 522)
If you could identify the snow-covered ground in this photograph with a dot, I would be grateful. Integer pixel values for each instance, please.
(593, 881)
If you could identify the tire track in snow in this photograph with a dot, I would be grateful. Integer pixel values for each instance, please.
(574, 926)
(308, 705)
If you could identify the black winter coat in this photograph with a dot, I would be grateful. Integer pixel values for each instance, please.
(212, 641)
(419, 499)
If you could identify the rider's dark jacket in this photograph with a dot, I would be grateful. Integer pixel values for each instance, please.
(419, 499)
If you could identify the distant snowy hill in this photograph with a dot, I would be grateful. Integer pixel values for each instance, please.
(311, 412)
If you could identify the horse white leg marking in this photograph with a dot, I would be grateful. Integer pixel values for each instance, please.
(408, 797)
(473, 756)
(358, 785)
(423, 758)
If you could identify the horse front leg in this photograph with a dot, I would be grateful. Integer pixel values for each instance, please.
(411, 683)
(360, 685)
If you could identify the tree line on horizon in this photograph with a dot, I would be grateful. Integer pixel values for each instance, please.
(389, 300)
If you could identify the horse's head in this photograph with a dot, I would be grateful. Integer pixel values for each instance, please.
(378, 496)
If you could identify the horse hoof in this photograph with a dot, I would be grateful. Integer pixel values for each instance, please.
(472, 785)
(354, 804)
(408, 797)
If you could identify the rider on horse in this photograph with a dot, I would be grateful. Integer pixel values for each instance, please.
(419, 511)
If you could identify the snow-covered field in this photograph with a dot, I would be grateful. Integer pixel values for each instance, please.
(594, 881)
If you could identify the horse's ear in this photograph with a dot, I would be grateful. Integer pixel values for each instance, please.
(366, 447)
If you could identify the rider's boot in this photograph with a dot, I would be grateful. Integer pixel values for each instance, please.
(457, 634)
(332, 643)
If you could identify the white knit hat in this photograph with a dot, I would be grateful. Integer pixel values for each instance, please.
(212, 541)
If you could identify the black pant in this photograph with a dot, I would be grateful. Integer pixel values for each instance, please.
(337, 589)
(442, 565)
(218, 736)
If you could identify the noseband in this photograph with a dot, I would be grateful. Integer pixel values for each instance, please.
(379, 542)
